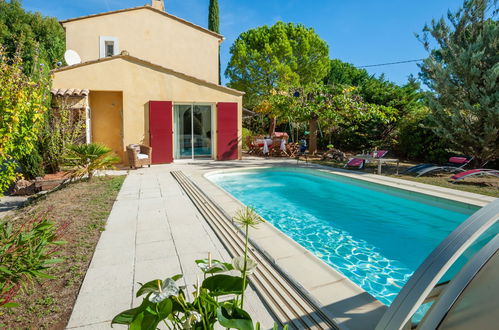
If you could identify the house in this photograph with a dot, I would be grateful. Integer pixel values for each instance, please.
(151, 78)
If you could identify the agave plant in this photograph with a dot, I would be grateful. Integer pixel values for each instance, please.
(85, 159)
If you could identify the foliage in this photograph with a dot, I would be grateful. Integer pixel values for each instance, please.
(269, 59)
(213, 17)
(214, 25)
(166, 301)
(341, 73)
(396, 102)
(247, 218)
(246, 133)
(62, 127)
(32, 164)
(23, 102)
(417, 140)
(85, 159)
(25, 254)
(40, 39)
(463, 71)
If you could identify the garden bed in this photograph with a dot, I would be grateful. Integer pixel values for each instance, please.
(85, 206)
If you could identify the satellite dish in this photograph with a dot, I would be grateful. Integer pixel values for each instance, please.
(72, 57)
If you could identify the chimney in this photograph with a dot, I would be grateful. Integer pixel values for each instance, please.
(158, 4)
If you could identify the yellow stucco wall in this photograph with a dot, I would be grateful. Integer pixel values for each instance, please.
(106, 120)
(141, 83)
(149, 35)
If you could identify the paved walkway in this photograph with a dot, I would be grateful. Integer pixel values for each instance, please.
(10, 203)
(153, 231)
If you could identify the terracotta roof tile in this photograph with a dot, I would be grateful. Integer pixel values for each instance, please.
(69, 92)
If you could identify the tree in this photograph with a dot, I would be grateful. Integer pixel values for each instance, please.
(40, 39)
(392, 101)
(463, 72)
(214, 25)
(213, 17)
(341, 73)
(23, 102)
(269, 59)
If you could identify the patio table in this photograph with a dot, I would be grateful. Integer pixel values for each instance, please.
(380, 161)
(265, 143)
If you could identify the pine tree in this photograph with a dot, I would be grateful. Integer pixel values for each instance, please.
(214, 25)
(463, 73)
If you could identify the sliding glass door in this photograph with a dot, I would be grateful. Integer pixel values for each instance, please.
(193, 131)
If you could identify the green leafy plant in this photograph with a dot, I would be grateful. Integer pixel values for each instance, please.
(85, 159)
(25, 254)
(247, 218)
(63, 126)
(32, 165)
(23, 102)
(219, 298)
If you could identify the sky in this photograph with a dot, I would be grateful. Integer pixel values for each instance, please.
(361, 32)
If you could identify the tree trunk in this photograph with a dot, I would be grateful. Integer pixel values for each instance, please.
(312, 146)
(272, 125)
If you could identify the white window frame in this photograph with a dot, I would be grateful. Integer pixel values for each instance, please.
(102, 43)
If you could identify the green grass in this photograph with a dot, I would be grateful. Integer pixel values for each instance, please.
(483, 186)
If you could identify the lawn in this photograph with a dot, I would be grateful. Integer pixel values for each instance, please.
(488, 186)
(85, 206)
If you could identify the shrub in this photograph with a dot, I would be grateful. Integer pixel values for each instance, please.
(62, 127)
(246, 133)
(85, 159)
(32, 165)
(23, 102)
(417, 141)
(25, 254)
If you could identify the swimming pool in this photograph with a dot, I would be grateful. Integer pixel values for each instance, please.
(376, 236)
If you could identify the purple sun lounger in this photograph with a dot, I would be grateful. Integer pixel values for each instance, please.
(477, 172)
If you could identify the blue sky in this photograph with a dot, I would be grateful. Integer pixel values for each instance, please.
(361, 32)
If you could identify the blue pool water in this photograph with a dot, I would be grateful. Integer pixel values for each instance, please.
(376, 236)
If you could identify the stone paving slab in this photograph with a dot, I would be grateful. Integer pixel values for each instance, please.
(153, 231)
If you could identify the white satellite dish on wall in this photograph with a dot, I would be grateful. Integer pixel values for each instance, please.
(72, 57)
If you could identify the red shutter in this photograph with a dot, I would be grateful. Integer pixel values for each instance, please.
(227, 143)
(161, 131)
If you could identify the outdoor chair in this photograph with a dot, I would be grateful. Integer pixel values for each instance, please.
(474, 172)
(356, 162)
(455, 164)
(360, 163)
(421, 167)
(252, 145)
(292, 149)
(139, 155)
(276, 148)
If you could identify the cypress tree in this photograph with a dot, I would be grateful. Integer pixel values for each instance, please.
(214, 25)
(463, 73)
(213, 17)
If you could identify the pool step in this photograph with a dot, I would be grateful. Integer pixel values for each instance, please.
(289, 304)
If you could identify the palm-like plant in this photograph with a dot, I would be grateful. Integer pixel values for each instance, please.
(85, 159)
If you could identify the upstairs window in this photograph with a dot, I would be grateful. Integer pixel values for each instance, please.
(109, 46)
